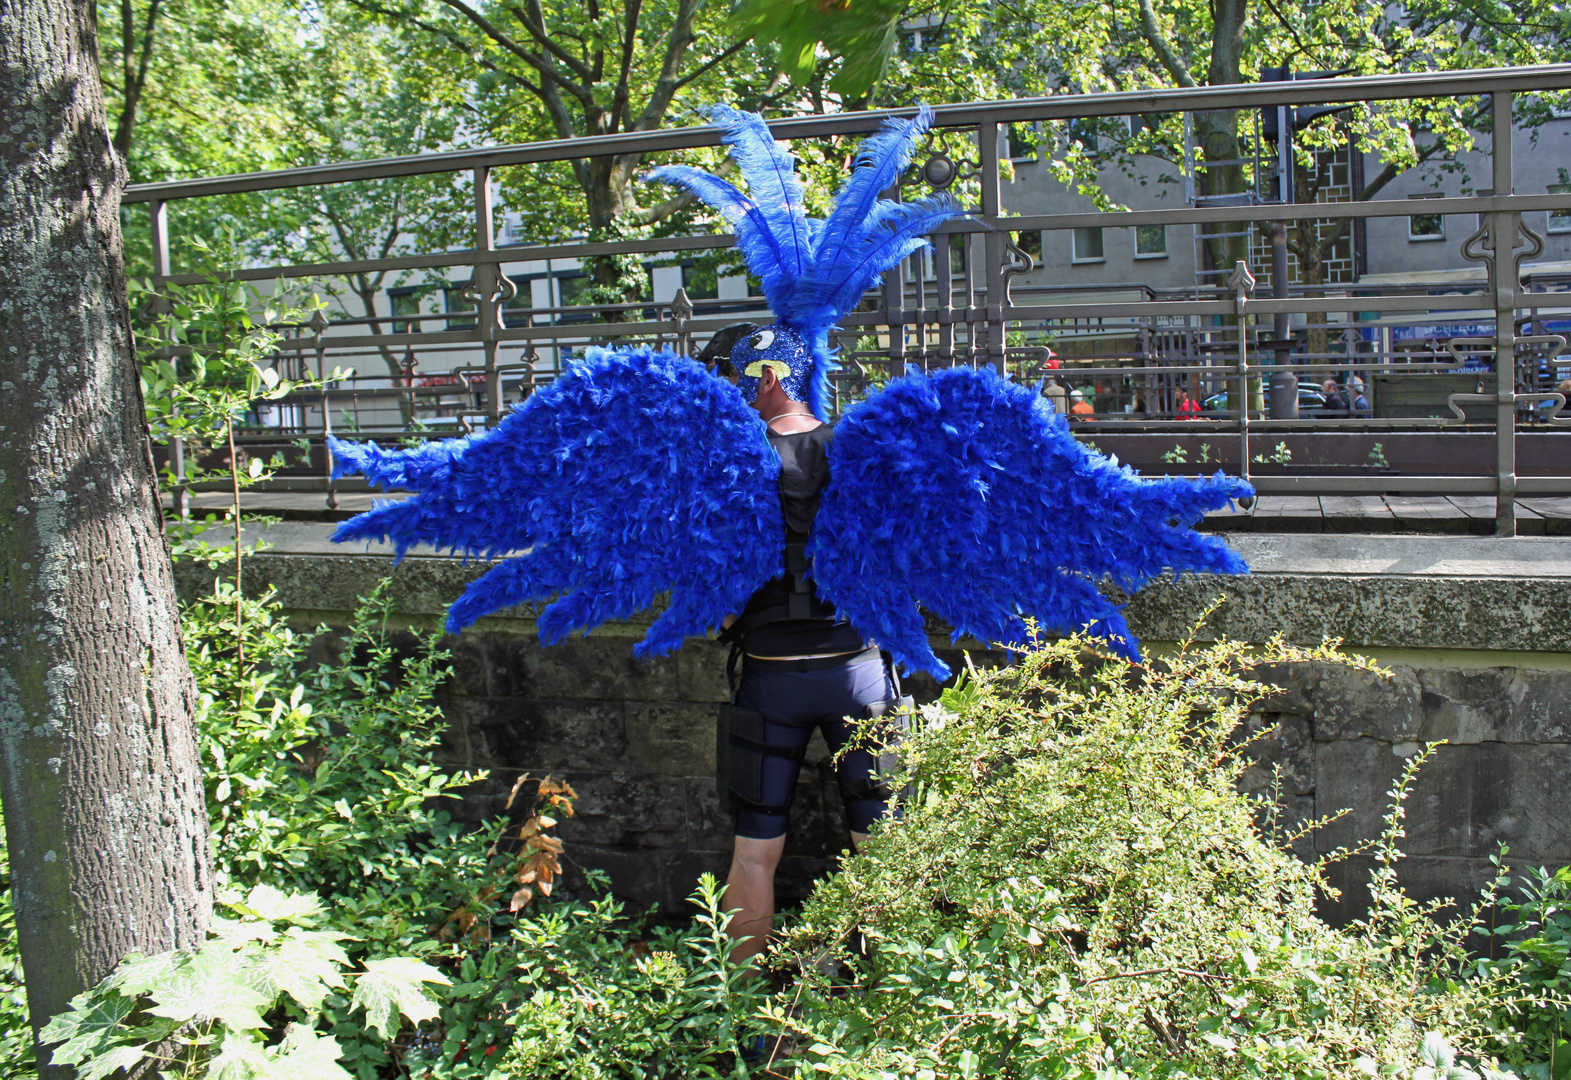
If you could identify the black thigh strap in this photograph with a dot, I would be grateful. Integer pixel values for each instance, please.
(793, 753)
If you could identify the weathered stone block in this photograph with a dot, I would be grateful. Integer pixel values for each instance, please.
(599, 668)
(1425, 878)
(1347, 703)
(1281, 747)
(1465, 802)
(672, 738)
(701, 665)
(471, 667)
(620, 809)
(528, 733)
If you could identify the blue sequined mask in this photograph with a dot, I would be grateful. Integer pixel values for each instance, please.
(778, 347)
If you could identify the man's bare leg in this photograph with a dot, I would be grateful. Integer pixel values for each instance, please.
(750, 891)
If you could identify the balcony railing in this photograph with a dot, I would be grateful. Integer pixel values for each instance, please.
(1461, 378)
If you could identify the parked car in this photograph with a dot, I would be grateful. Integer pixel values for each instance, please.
(1309, 399)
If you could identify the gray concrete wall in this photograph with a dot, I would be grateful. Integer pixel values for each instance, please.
(1476, 633)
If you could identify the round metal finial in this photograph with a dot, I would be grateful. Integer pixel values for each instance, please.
(939, 172)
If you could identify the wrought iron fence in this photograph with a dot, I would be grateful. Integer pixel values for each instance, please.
(1192, 368)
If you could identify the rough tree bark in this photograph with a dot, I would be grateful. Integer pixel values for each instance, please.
(98, 757)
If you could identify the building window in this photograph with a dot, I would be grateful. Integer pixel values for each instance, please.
(1426, 226)
(453, 300)
(1084, 131)
(1560, 220)
(1087, 246)
(1022, 143)
(1150, 241)
(404, 302)
(515, 312)
(1030, 242)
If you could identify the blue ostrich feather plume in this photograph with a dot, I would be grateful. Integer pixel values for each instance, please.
(634, 475)
(809, 287)
(966, 494)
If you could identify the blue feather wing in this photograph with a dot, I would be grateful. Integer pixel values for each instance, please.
(964, 494)
(634, 475)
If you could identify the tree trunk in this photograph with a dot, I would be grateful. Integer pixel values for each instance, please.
(1218, 131)
(98, 757)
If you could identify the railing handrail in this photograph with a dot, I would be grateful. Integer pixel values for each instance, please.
(1464, 83)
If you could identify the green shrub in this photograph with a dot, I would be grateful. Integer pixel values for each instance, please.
(16, 1032)
(1538, 957)
(1078, 890)
(578, 991)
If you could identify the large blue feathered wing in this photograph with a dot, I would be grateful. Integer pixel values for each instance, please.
(965, 494)
(635, 474)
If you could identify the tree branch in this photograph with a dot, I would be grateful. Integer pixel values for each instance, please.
(1159, 44)
(620, 110)
(708, 65)
(547, 70)
(534, 22)
(131, 94)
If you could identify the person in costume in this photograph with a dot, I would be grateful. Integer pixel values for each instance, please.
(641, 474)
(803, 669)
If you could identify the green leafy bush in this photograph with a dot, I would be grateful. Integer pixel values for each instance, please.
(579, 991)
(1078, 890)
(16, 1032)
(1538, 956)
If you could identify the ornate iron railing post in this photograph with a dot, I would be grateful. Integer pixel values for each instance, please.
(159, 211)
(487, 311)
(987, 135)
(1242, 282)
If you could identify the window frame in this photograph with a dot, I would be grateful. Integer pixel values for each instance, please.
(1564, 215)
(1150, 254)
(1075, 258)
(1425, 238)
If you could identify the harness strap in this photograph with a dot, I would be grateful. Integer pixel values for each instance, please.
(737, 802)
(797, 754)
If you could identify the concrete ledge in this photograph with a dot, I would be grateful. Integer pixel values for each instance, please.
(1374, 592)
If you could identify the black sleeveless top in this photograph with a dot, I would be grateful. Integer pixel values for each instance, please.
(804, 472)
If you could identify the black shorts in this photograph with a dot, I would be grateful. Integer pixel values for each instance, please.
(794, 704)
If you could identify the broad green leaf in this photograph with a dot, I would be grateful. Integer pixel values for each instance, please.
(86, 1029)
(214, 985)
(392, 986)
(306, 965)
(138, 974)
(241, 1057)
(237, 932)
(306, 1055)
(103, 1065)
(275, 905)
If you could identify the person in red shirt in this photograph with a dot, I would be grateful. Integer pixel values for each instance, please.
(1188, 407)
(1079, 406)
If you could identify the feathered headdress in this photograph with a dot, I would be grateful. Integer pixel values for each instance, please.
(813, 271)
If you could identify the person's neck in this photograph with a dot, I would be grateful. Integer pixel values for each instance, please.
(788, 417)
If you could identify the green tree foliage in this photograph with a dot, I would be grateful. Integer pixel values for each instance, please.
(958, 50)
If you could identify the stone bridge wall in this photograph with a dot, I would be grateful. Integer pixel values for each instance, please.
(1477, 633)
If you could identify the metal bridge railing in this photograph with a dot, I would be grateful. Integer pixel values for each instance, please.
(1142, 349)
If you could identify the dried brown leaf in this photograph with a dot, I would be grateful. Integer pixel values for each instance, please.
(513, 794)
